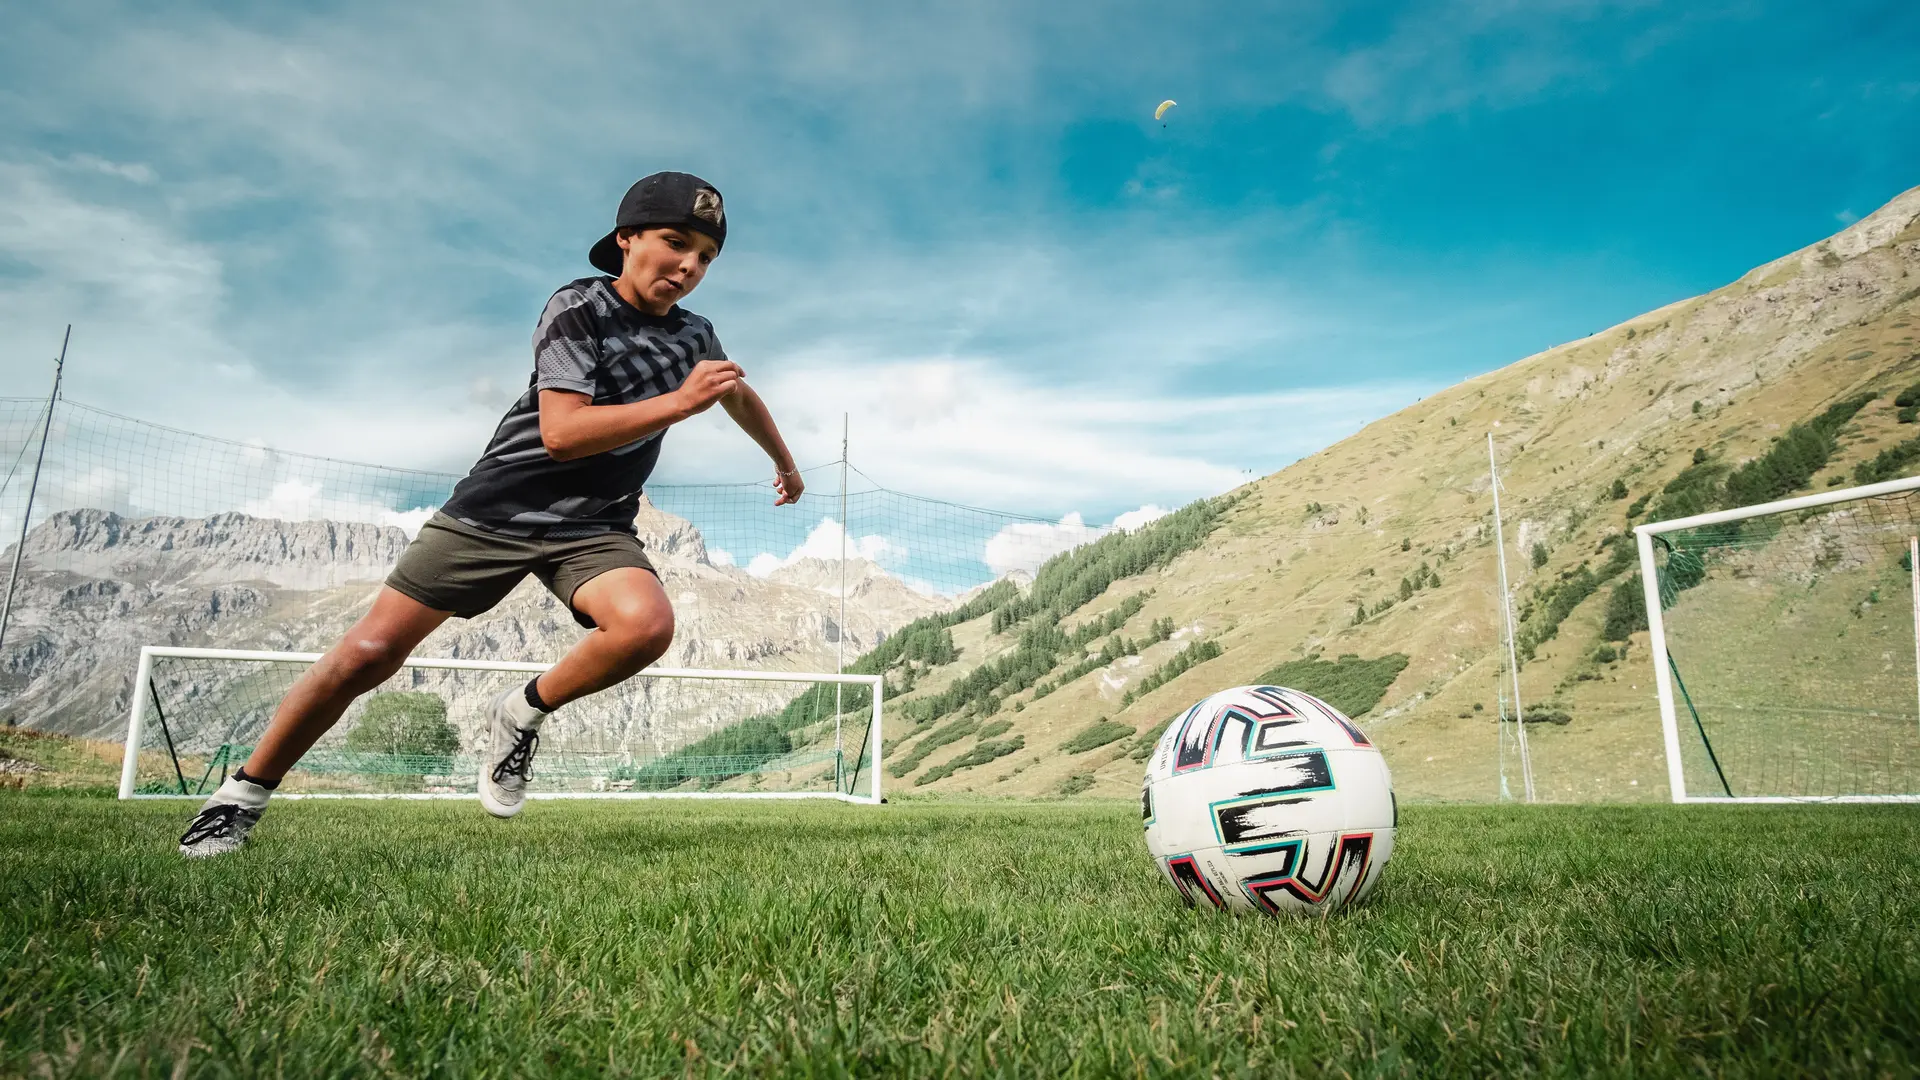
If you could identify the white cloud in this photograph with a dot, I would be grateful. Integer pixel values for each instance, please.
(1134, 520)
(1457, 56)
(134, 171)
(1024, 546)
(294, 500)
(823, 543)
(971, 430)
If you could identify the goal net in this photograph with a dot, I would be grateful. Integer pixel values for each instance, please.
(1784, 640)
(196, 714)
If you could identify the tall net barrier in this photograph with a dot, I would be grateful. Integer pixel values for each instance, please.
(1788, 638)
(140, 534)
(200, 712)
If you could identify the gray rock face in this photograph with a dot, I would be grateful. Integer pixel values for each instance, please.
(303, 555)
(97, 586)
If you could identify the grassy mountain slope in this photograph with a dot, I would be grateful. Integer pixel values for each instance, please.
(1381, 545)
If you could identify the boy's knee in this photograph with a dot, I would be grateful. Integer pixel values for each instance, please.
(641, 631)
(364, 663)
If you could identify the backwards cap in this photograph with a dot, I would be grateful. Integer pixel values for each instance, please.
(676, 199)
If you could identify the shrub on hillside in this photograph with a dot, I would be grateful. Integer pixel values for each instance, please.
(1791, 462)
(728, 752)
(1075, 784)
(1098, 734)
(931, 741)
(1888, 464)
(979, 755)
(1350, 684)
(1626, 612)
(1193, 655)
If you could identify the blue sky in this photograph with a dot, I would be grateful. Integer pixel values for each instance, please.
(331, 227)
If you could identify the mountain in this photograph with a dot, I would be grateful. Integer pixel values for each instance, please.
(1716, 378)
(97, 586)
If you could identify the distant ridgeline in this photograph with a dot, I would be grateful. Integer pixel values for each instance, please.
(1063, 585)
(1705, 485)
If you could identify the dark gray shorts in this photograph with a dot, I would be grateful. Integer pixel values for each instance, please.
(458, 568)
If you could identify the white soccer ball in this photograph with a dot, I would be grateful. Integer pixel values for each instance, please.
(1267, 799)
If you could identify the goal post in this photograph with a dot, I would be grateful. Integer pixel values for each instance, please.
(194, 715)
(1785, 641)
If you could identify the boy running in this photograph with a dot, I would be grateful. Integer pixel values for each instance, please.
(616, 362)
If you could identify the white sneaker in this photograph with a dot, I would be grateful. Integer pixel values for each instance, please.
(225, 820)
(512, 738)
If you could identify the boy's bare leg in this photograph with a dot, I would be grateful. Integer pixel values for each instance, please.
(365, 657)
(633, 628)
(633, 625)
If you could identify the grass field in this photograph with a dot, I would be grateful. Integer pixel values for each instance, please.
(945, 938)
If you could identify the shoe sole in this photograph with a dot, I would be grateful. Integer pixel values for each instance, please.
(497, 809)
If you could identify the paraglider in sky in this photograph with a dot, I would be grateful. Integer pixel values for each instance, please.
(1161, 112)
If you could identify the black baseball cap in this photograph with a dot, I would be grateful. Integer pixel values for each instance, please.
(681, 200)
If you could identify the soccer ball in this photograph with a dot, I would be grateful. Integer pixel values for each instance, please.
(1267, 799)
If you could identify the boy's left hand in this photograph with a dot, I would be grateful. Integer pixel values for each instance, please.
(789, 485)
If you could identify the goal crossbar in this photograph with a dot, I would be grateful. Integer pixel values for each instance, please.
(142, 699)
(1663, 666)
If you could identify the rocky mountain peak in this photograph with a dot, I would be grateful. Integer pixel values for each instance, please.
(668, 536)
(216, 549)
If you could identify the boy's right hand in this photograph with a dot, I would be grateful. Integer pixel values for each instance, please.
(708, 382)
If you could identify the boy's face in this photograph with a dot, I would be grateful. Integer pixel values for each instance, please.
(661, 266)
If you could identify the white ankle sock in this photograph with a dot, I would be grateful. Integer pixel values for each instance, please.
(522, 713)
(235, 790)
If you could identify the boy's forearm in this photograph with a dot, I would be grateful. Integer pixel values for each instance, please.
(572, 431)
(751, 414)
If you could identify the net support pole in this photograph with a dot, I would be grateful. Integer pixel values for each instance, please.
(1662, 675)
(1506, 610)
(840, 633)
(1913, 575)
(26, 516)
(136, 712)
(873, 738)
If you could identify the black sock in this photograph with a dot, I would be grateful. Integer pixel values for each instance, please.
(241, 774)
(533, 695)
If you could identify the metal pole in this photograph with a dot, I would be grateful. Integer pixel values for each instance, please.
(1662, 667)
(879, 692)
(1506, 609)
(840, 637)
(26, 517)
(136, 711)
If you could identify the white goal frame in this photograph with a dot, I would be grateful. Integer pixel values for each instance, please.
(1656, 626)
(142, 695)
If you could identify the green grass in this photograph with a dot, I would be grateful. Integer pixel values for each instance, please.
(926, 939)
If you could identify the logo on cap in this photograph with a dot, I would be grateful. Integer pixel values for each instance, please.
(706, 207)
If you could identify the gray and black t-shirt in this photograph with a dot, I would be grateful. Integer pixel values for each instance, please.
(589, 341)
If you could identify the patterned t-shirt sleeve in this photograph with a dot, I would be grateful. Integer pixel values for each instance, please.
(714, 351)
(566, 349)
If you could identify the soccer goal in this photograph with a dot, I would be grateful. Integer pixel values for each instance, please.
(1786, 647)
(667, 732)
